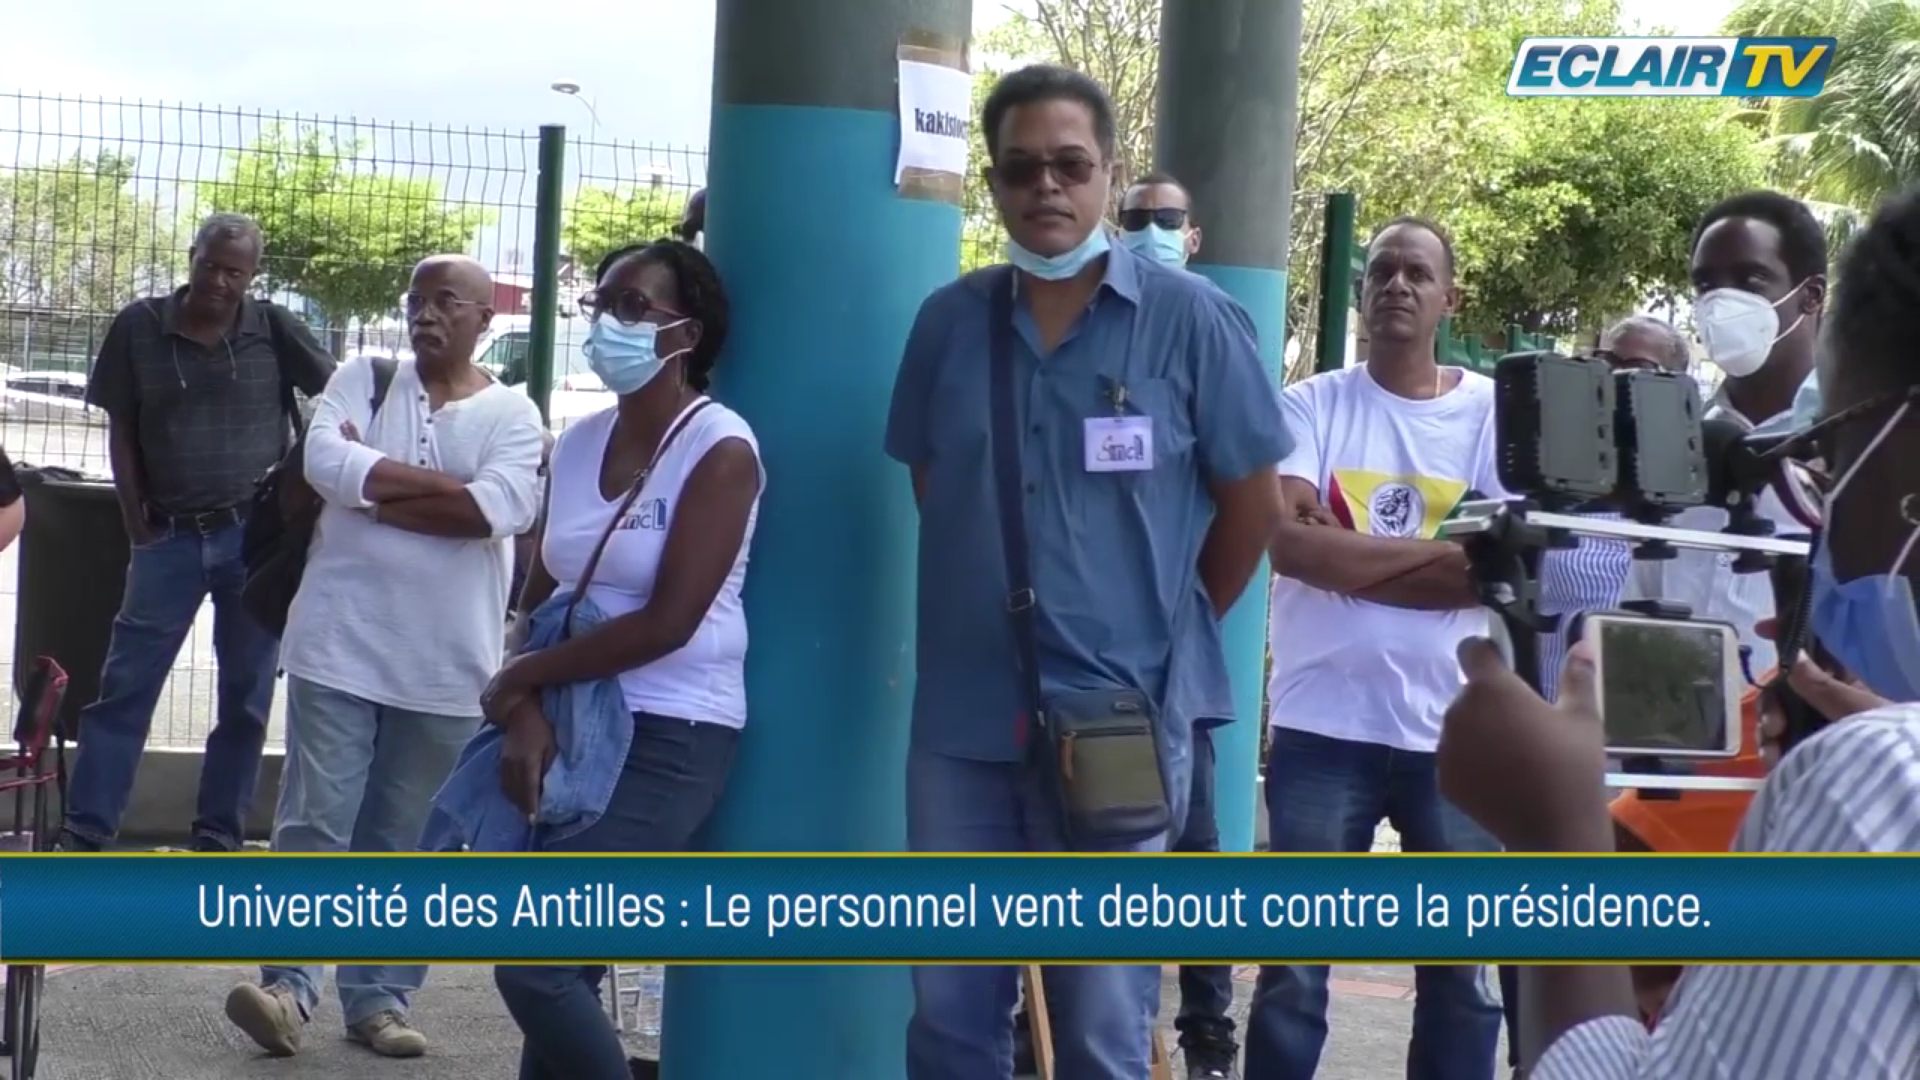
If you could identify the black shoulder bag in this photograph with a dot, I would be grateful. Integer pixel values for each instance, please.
(1098, 750)
(285, 509)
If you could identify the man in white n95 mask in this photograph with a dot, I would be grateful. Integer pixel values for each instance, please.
(1760, 281)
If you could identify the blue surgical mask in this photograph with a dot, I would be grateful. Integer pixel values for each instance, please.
(624, 356)
(1064, 265)
(1870, 624)
(1167, 246)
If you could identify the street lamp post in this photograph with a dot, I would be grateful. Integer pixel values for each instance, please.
(572, 90)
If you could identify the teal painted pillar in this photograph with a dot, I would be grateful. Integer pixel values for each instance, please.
(825, 267)
(1229, 75)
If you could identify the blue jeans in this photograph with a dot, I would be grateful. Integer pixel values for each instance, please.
(962, 1026)
(167, 581)
(1330, 795)
(359, 777)
(1206, 993)
(672, 778)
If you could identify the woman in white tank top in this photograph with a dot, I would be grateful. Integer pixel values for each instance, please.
(668, 582)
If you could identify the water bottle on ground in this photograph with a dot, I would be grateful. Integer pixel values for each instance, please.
(649, 982)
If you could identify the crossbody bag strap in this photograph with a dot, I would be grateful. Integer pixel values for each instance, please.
(384, 369)
(277, 334)
(639, 482)
(1007, 481)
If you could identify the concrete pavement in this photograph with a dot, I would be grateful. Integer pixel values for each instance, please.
(165, 1023)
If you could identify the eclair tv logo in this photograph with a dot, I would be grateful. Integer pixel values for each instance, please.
(1671, 67)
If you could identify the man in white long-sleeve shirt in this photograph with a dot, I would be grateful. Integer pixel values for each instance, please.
(427, 474)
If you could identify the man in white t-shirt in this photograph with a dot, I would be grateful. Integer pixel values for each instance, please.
(399, 622)
(1368, 611)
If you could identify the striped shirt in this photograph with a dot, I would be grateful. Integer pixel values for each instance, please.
(1574, 581)
(1853, 788)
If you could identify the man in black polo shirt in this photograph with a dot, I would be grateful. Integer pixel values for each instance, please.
(196, 386)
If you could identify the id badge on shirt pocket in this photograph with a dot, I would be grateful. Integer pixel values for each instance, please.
(1119, 444)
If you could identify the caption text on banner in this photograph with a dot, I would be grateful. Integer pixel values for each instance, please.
(836, 908)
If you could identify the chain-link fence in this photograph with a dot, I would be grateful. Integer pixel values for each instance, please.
(99, 201)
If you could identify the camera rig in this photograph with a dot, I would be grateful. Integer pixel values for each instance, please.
(1505, 541)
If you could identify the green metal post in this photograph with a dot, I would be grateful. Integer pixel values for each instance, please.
(546, 263)
(1336, 280)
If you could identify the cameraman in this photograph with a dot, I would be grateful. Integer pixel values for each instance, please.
(1532, 773)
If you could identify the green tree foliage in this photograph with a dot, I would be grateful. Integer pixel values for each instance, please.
(1586, 211)
(76, 237)
(599, 221)
(980, 233)
(1563, 212)
(1859, 139)
(339, 231)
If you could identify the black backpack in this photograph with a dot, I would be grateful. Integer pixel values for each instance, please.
(285, 508)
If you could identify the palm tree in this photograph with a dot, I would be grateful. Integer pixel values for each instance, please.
(1859, 139)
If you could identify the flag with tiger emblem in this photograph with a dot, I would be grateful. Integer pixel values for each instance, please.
(1382, 504)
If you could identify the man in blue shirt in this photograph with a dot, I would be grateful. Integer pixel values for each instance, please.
(1156, 220)
(1131, 567)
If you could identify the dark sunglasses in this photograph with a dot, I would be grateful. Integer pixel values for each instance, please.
(1022, 172)
(1170, 218)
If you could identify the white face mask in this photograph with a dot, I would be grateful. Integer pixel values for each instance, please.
(1740, 328)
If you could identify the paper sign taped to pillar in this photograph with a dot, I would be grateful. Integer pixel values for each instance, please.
(935, 107)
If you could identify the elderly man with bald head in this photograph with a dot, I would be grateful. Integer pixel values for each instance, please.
(1645, 342)
(428, 469)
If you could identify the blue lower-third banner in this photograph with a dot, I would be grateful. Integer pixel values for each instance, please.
(878, 908)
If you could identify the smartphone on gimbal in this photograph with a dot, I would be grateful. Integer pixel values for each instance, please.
(1667, 688)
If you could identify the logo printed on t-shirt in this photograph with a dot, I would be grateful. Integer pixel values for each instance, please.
(1396, 511)
(650, 514)
(1382, 504)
